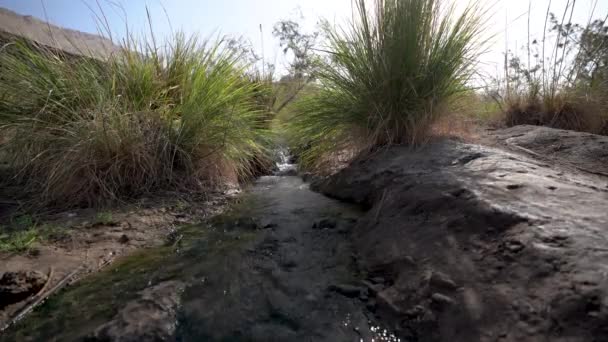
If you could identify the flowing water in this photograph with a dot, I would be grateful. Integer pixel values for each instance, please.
(267, 270)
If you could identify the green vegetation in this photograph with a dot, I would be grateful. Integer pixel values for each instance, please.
(88, 131)
(23, 232)
(19, 241)
(388, 77)
(104, 218)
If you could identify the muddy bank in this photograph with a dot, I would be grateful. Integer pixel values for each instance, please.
(80, 242)
(476, 243)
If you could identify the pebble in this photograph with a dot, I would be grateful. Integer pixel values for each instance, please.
(378, 280)
(443, 281)
(123, 239)
(442, 300)
(350, 291)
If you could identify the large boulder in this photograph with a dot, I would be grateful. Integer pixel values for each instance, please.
(481, 244)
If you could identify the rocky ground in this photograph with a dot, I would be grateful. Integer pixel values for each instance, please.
(478, 243)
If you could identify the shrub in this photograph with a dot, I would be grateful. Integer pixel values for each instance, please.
(388, 76)
(89, 131)
(564, 84)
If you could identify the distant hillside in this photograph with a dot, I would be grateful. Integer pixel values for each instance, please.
(71, 41)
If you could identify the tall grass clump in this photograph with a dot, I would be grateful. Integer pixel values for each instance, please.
(389, 75)
(563, 80)
(87, 131)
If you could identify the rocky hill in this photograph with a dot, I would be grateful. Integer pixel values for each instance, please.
(71, 41)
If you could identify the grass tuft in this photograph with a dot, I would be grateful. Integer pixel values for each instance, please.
(389, 75)
(564, 85)
(84, 131)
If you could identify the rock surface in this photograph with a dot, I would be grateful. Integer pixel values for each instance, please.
(18, 286)
(152, 317)
(481, 244)
(583, 151)
(38, 31)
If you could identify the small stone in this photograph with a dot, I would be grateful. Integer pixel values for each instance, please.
(442, 281)
(415, 312)
(33, 252)
(514, 246)
(350, 291)
(410, 260)
(325, 224)
(378, 280)
(270, 226)
(514, 186)
(441, 300)
(123, 239)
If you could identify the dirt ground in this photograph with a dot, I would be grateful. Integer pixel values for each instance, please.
(85, 241)
(478, 243)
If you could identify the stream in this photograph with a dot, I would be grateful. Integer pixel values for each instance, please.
(277, 266)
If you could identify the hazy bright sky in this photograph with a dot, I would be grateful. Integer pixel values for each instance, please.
(243, 17)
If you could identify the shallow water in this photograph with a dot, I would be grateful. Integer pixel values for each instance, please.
(261, 272)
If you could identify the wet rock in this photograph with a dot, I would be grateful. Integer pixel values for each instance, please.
(152, 317)
(18, 286)
(442, 301)
(377, 280)
(287, 173)
(347, 290)
(388, 302)
(439, 280)
(515, 186)
(248, 224)
(373, 289)
(289, 264)
(325, 224)
(271, 225)
(307, 176)
(514, 246)
(415, 312)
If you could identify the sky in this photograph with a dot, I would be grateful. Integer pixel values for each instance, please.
(507, 25)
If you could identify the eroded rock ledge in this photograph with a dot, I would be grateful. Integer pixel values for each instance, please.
(474, 243)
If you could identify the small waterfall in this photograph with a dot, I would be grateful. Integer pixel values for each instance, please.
(285, 164)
